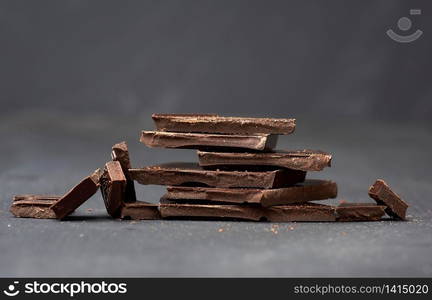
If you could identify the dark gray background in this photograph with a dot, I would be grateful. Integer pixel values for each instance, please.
(78, 76)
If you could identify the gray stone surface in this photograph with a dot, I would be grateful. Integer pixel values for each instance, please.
(48, 153)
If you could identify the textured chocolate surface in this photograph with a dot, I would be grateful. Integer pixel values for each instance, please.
(193, 174)
(120, 153)
(113, 187)
(305, 160)
(33, 206)
(36, 197)
(244, 212)
(218, 124)
(289, 213)
(204, 140)
(77, 195)
(181, 115)
(140, 210)
(359, 212)
(383, 195)
(301, 213)
(310, 212)
(302, 192)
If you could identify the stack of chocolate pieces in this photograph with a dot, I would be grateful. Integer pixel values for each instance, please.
(239, 175)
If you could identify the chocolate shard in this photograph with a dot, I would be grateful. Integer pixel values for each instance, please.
(289, 213)
(36, 197)
(185, 115)
(383, 195)
(140, 210)
(191, 194)
(34, 206)
(192, 174)
(304, 160)
(309, 212)
(242, 212)
(201, 140)
(113, 188)
(164, 200)
(120, 153)
(347, 212)
(77, 195)
(309, 190)
(218, 124)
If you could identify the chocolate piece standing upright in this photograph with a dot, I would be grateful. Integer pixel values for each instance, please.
(309, 190)
(305, 160)
(288, 213)
(218, 124)
(192, 174)
(113, 188)
(383, 195)
(140, 210)
(34, 206)
(347, 212)
(204, 140)
(77, 195)
(120, 153)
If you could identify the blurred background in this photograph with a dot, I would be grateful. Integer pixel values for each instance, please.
(78, 76)
(278, 58)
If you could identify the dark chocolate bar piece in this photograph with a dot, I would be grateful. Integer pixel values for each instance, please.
(36, 197)
(120, 153)
(204, 140)
(34, 206)
(243, 212)
(192, 174)
(383, 195)
(309, 212)
(113, 187)
(305, 160)
(288, 213)
(77, 195)
(183, 115)
(347, 212)
(218, 124)
(140, 210)
(309, 190)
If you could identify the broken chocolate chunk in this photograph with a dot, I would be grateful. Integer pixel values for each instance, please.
(289, 213)
(192, 174)
(36, 197)
(202, 140)
(224, 125)
(140, 210)
(309, 212)
(77, 195)
(347, 212)
(34, 206)
(309, 190)
(244, 212)
(383, 195)
(113, 187)
(305, 160)
(120, 153)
